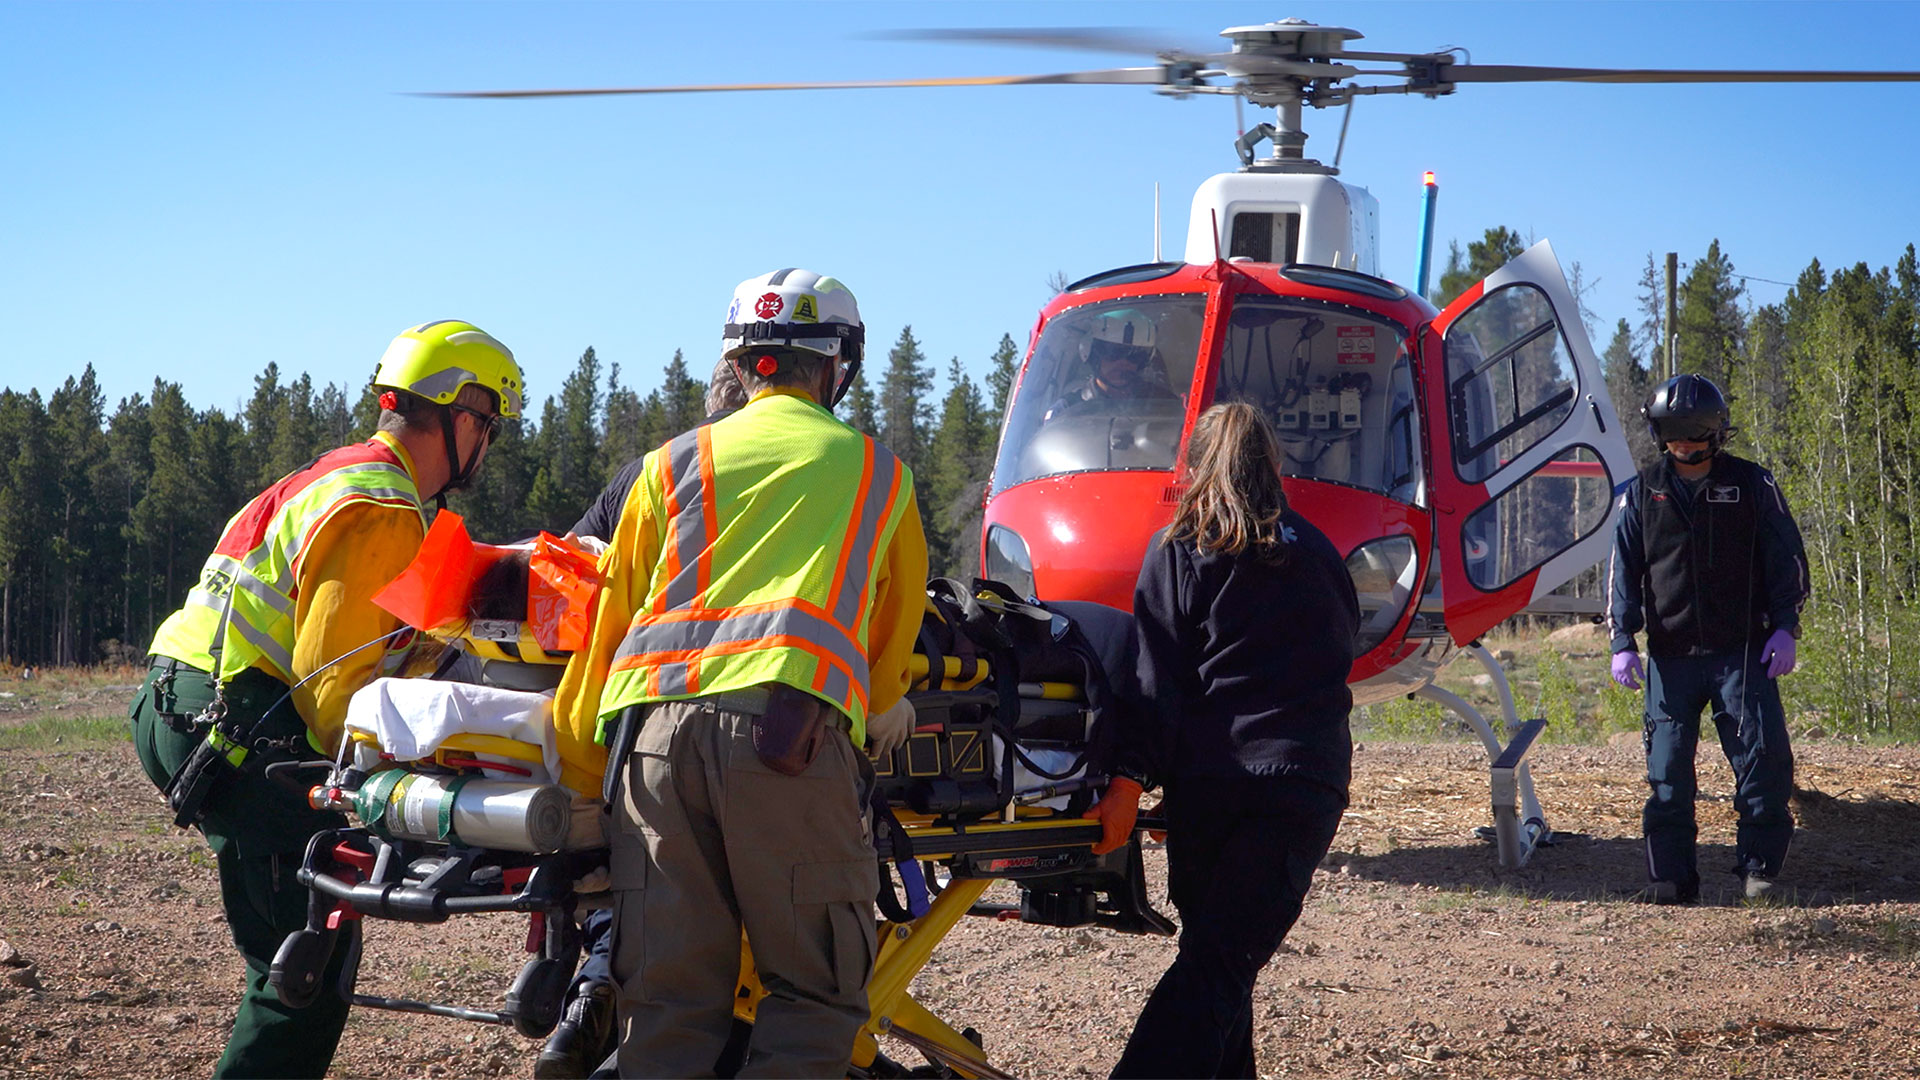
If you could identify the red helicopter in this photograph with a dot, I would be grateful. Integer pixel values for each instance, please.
(1466, 459)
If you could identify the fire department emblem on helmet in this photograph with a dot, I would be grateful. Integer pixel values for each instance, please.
(768, 305)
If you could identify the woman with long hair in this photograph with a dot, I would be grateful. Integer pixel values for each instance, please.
(1246, 619)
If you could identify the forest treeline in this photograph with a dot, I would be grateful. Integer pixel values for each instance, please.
(107, 514)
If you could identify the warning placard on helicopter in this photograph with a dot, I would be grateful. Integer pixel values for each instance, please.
(1356, 344)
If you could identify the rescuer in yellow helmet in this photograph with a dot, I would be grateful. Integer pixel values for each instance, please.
(279, 631)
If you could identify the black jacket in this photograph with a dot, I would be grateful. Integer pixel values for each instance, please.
(1706, 572)
(1243, 664)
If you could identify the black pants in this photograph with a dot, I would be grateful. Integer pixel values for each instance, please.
(1734, 689)
(1240, 856)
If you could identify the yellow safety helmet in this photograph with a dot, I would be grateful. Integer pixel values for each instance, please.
(434, 360)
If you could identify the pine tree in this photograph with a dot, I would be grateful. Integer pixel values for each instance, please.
(1004, 366)
(76, 452)
(1627, 385)
(130, 462)
(622, 442)
(1498, 247)
(858, 405)
(261, 415)
(683, 399)
(567, 474)
(296, 432)
(1651, 337)
(1709, 321)
(955, 478)
(905, 413)
(166, 515)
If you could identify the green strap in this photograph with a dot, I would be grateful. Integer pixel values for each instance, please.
(370, 802)
(446, 808)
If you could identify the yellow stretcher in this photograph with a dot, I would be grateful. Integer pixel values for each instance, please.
(971, 806)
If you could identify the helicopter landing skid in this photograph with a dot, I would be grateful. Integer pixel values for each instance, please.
(1519, 826)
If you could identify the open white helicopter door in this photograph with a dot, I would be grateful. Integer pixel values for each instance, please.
(1527, 457)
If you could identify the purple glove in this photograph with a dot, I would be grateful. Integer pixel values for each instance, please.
(1627, 670)
(1780, 653)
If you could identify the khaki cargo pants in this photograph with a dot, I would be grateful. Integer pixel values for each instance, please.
(708, 840)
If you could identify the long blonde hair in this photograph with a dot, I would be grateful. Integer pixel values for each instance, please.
(1233, 499)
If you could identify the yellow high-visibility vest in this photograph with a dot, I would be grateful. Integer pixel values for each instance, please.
(774, 523)
(256, 565)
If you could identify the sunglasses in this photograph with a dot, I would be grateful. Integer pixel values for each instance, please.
(490, 423)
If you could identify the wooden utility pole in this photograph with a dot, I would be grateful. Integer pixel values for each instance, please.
(1673, 307)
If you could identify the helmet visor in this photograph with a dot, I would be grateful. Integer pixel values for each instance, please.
(1686, 428)
(1102, 353)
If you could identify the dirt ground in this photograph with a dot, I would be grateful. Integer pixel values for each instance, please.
(1417, 956)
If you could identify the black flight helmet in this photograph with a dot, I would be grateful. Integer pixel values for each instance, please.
(1689, 408)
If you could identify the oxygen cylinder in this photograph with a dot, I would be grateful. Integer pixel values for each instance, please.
(509, 815)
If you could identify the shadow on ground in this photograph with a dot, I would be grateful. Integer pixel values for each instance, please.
(1845, 851)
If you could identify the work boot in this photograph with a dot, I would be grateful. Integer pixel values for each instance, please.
(1665, 893)
(1759, 887)
(581, 1041)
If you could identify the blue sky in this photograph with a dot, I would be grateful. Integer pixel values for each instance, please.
(191, 190)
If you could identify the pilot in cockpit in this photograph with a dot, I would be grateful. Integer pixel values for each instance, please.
(1123, 365)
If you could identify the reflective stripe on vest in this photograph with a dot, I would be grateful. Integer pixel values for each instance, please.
(730, 606)
(256, 565)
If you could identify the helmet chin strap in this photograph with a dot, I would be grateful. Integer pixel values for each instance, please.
(461, 474)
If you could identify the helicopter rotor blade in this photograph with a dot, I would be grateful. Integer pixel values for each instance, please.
(1510, 73)
(1138, 76)
(1089, 39)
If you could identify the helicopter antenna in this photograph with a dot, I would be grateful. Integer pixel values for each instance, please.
(1156, 221)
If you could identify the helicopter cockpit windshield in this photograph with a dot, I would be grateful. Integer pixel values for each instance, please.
(1337, 385)
(1104, 390)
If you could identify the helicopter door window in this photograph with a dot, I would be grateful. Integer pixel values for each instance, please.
(1510, 377)
(1553, 508)
(1336, 385)
(1267, 238)
(1105, 389)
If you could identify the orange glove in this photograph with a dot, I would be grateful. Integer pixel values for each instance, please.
(1116, 812)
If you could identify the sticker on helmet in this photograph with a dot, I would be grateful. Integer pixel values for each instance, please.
(769, 305)
(804, 309)
(733, 311)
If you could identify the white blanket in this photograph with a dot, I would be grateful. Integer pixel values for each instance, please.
(410, 718)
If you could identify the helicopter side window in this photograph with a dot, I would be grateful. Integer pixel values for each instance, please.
(1545, 513)
(1337, 385)
(1510, 379)
(1105, 389)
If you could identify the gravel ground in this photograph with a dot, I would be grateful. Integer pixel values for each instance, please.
(1416, 957)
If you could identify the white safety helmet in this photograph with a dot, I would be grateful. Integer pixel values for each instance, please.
(798, 310)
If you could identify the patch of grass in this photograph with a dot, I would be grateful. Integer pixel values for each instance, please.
(1898, 937)
(49, 732)
(1470, 896)
(1402, 720)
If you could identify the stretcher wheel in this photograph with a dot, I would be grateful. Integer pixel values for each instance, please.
(538, 995)
(299, 967)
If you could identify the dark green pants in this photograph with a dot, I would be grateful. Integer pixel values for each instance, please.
(258, 830)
